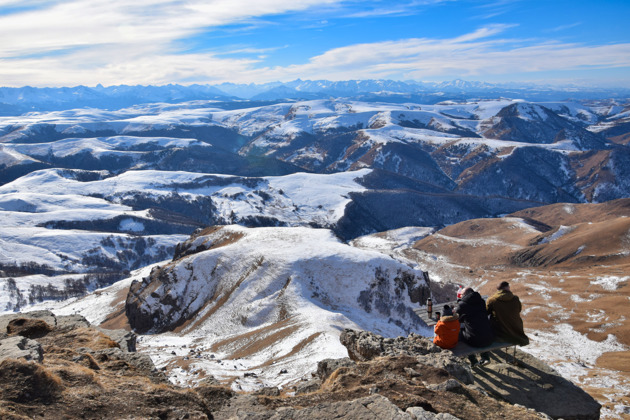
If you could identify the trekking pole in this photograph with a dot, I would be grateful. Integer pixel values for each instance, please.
(514, 355)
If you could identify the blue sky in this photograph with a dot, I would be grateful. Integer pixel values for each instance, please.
(67, 43)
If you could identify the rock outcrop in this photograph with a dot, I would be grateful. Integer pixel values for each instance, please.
(524, 381)
(69, 369)
(364, 346)
(84, 373)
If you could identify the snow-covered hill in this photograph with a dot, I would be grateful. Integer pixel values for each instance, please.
(263, 304)
(61, 221)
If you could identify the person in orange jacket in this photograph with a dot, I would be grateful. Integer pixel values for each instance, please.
(447, 329)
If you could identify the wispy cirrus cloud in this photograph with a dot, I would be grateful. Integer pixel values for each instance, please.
(468, 56)
(395, 8)
(564, 27)
(115, 42)
(494, 8)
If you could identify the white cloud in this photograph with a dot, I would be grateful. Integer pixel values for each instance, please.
(564, 27)
(59, 26)
(396, 9)
(119, 42)
(467, 55)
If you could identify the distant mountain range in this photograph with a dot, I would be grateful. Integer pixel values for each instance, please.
(27, 99)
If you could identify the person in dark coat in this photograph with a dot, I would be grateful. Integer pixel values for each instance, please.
(504, 309)
(476, 329)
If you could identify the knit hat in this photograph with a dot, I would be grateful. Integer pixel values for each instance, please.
(503, 285)
(447, 311)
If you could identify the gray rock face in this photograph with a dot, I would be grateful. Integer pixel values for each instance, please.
(419, 413)
(20, 348)
(307, 386)
(328, 366)
(140, 361)
(70, 322)
(364, 345)
(448, 385)
(125, 339)
(374, 407)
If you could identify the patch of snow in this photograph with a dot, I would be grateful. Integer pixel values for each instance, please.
(130, 225)
(610, 283)
(568, 208)
(597, 316)
(560, 232)
(572, 353)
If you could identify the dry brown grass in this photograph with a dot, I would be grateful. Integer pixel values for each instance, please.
(80, 337)
(24, 381)
(295, 350)
(8, 413)
(75, 375)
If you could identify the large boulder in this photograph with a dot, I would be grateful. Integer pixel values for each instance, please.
(365, 345)
(125, 339)
(529, 383)
(20, 348)
(45, 316)
(28, 327)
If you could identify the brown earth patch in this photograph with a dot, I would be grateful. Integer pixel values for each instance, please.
(295, 350)
(250, 343)
(28, 327)
(117, 319)
(621, 139)
(619, 360)
(568, 214)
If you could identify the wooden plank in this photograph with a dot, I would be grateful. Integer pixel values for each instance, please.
(437, 307)
(462, 349)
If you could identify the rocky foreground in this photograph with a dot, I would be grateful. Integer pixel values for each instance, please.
(62, 367)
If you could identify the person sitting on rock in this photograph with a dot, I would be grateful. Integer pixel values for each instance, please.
(504, 309)
(476, 329)
(447, 329)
